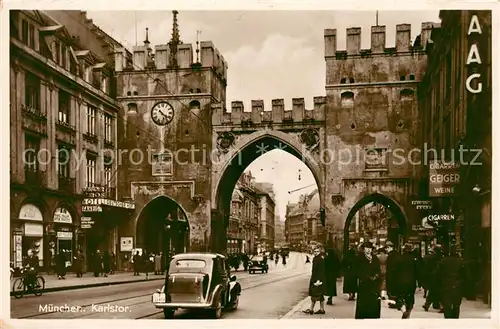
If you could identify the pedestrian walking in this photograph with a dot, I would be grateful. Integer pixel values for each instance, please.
(112, 258)
(391, 275)
(97, 263)
(382, 257)
(433, 295)
(368, 274)
(106, 263)
(307, 259)
(277, 259)
(407, 279)
(283, 259)
(451, 278)
(348, 267)
(158, 264)
(61, 265)
(79, 260)
(137, 263)
(332, 266)
(317, 283)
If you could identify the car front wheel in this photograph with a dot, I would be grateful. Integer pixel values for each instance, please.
(168, 313)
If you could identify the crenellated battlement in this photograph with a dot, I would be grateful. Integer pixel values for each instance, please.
(378, 41)
(276, 114)
(145, 58)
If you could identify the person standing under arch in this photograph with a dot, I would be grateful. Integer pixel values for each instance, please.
(348, 268)
(332, 266)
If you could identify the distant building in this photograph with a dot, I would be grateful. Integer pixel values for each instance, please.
(266, 196)
(279, 231)
(243, 231)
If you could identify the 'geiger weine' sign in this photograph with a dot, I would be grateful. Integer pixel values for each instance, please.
(474, 80)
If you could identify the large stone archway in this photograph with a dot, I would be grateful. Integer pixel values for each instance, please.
(163, 226)
(232, 163)
(393, 206)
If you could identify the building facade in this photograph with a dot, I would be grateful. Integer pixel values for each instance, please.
(455, 98)
(279, 231)
(266, 197)
(63, 124)
(243, 230)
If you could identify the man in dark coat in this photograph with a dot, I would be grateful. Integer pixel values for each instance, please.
(61, 264)
(368, 273)
(431, 265)
(317, 283)
(348, 266)
(407, 279)
(332, 265)
(97, 263)
(106, 263)
(137, 263)
(451, 278)
(79, 261)
(391, 274)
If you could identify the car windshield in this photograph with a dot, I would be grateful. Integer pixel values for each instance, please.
(190, 263)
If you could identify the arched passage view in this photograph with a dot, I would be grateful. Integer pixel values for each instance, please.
(163, 227)
(254, 194)
(375, 218)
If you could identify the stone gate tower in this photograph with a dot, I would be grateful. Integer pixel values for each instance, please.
(165, 138)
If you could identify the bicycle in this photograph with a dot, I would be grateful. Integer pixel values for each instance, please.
(20, 285)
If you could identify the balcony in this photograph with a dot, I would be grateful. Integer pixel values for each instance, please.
(109, 144)
(91, 138)
(65, 133)
(34, 121)
(35, 177)
(67, 184)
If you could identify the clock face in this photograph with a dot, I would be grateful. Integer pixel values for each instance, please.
(162, 113)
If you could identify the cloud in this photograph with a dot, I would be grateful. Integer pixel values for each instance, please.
(280, 67)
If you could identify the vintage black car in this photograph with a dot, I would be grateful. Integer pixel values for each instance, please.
(258, 263)
(198, 281)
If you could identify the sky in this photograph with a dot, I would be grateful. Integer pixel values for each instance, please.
(270, 54)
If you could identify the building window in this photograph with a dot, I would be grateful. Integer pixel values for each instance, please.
(63, 161)
(31, 148)
(108, 128)
(107, 174)
(347, 98)
(31, 36)
(402, 78)
(194, 105)
(342, 80)
(24, 31)
(412, 77)
(32, 91)
(63, 57)
(91, 120)
(91, 171)
(64, 107)
(57, 52)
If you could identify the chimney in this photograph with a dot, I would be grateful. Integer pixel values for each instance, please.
(330, 42)
(353, 40)
(378, 39)
(403, 34)
(425, 35)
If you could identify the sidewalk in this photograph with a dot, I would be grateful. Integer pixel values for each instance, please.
(344, 309)
(52, 283)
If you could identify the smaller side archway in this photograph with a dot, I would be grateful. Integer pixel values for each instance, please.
(162, 226)
(392, 206)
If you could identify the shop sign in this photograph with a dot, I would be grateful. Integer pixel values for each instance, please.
(126, 243)
(62, 215)
(162, 164)
(94, 192)
(65, 235)
(30, 212)
(86, 222)
(18, 242)
(91, 208)
(432, 220)
(31, 229)
(108, 202)
(444, 177)
(422, 204)
(473, 56)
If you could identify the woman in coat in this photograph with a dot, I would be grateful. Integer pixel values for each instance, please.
(79, 261)
(368, 273)
(332, 265)
(317, 284)
(348, 266)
